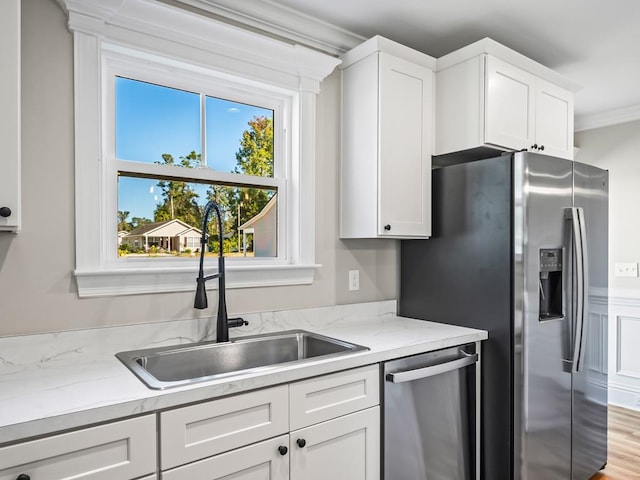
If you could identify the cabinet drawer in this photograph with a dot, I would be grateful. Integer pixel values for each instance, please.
(199, 431)
(323, 398)
(261, 460)
(116, 451)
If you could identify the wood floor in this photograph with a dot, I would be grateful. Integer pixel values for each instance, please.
(623, 446)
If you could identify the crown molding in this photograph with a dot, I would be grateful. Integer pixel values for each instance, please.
(608, 118)
(280, 21)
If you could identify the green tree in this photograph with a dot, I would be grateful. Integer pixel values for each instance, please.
(138, 222)
(179, 198)
(254, 157)
(122, 221)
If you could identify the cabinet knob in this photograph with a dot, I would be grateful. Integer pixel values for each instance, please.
(541, 147)
(534, 146)
(6, 212)
(387, 227)
(23, 476)
(283, 450)
(301, 442)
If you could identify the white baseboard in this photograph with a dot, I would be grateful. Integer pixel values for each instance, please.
(624, 396)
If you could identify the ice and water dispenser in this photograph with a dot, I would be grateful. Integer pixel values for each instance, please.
(550, 291)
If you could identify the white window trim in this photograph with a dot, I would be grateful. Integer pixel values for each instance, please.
(173, 33)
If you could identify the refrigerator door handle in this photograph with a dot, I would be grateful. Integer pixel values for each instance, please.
(576, 215)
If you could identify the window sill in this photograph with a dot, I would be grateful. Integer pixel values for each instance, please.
(106, 283)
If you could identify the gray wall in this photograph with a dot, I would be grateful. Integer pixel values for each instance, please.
(617, 149)
(37, 288)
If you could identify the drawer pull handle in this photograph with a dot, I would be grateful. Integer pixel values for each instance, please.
(23, 476)
(283, 450)
(301, 442)
(6, 212)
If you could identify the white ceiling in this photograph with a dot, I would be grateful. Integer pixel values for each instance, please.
(595, 43)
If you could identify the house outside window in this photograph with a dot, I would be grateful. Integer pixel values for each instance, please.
(211, 67)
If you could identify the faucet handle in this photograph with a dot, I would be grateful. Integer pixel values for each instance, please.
(237, 322)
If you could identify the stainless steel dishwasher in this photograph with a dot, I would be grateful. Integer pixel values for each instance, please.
(430, 416)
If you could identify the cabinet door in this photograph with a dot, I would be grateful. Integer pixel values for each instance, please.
(10, 115)
(554, 120)
(261, 461)
(346, 448)
(509, 105)
(405, 119)
(115, 451)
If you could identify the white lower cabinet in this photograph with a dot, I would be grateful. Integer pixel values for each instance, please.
(330, 430)
(346, 448)
(323, 398)
(260, 461)
(198, 431)
(122, 450)
(327, 427)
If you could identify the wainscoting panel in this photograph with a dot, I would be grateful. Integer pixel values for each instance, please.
(597, 342)
(624, 349)
(628, 361)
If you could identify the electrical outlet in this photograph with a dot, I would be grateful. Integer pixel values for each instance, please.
(626, 269)
(354, 280)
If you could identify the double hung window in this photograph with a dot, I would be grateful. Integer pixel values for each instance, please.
(173, 109)
(179, 144)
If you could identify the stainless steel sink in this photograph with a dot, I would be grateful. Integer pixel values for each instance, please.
(179, 365)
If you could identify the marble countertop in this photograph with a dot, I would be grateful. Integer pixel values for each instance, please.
(58, 381)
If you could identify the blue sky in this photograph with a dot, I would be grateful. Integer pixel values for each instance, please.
(152, 120)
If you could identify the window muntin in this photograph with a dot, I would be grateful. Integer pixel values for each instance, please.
(146, 196)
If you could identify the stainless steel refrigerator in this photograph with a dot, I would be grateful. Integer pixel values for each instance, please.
(518, 243)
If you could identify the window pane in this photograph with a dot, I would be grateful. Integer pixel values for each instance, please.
(239, 137)
(163, 218)
(156, 124)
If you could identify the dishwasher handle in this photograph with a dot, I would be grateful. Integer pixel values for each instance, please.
(464, 360)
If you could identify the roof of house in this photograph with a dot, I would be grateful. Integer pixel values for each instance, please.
(249, 223)
(156, 229)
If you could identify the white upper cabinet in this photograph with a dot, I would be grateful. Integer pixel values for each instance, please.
(10, 115)
(490, 97)
(510, 105)
(554, 119)
(387, 130)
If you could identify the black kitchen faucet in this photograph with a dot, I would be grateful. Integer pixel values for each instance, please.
(223, 322)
